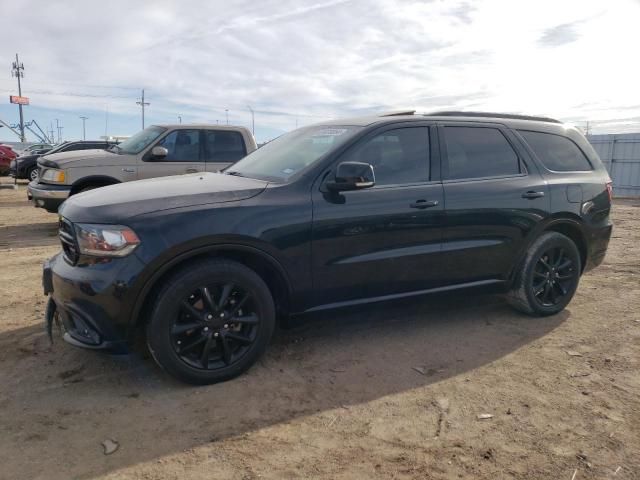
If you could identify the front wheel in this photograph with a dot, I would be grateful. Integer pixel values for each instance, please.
(211, 321)
(549, 276)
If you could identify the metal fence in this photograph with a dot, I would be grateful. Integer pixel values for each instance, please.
(621, 155)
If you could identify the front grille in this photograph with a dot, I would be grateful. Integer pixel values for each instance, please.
(67, 236)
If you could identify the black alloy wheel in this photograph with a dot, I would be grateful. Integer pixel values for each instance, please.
(211, 320)
(548, 277)
(215, 327)
(553, 275)
(33, 174)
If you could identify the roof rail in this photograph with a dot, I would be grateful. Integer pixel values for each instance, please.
(397, 113)
(491, 115)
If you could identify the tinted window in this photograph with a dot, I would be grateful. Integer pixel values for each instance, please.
(223, 146)
(398, 156)
(556, 152)
(475, 152)
(71, 147)
(183, 146)
(93, 146)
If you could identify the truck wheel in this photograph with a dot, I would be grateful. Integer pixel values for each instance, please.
(33, 174)
(548, 277)
(211, 321)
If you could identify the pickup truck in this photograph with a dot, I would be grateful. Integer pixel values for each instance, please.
(156, 151)
(26, 165)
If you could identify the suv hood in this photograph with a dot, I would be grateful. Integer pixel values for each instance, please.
(115, 203)
(78, 158)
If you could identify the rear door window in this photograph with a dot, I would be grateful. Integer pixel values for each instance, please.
(478, 152)
(556, 152)
(223, 146)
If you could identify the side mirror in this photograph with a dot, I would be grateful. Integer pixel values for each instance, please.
(352, 176)
(159, 152)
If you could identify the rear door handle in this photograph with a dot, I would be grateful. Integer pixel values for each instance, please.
(531, 194)
(422, 204)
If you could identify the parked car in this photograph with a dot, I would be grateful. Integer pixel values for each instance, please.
(6, 157)
(156, 151)
(26, 167)
(337, 214)
(36, 148)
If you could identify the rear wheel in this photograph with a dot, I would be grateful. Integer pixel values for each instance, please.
(549, 276)
(211, 321)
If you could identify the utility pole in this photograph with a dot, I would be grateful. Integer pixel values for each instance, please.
(53, 139)
(253, 121)
(143, 104)
(226, 111)
(179, 118)
(17, 71)
(59, 128)
(84, 132)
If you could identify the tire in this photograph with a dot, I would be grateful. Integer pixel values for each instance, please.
(32, 174)
(181, 303)
(541, 291)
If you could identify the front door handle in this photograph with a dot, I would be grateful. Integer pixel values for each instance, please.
(191, 170)
(531, 194)
(422, 204)
(129, 170)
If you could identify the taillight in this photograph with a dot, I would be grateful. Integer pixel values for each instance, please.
(610, 190)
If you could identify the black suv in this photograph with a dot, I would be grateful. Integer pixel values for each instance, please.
(342, 213)
(26, 167)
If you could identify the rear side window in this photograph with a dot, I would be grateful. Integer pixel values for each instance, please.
(556, 152)
(223, 146)
(477, 152)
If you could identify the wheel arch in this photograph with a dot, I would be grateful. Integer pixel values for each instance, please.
(568, 225)
(572, 228)
(264, 264)
(101, 180)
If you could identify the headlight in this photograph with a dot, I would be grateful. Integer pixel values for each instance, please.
(106, 240)
(53, 175)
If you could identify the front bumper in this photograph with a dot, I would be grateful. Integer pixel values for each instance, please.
(49, 197)
(90, 304)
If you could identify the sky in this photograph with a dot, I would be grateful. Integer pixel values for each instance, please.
(299, 62)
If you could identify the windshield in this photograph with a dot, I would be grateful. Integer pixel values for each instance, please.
(57, 148)
(140, 140)
(291, 153)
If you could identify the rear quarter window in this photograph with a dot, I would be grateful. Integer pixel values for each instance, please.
(557, 153)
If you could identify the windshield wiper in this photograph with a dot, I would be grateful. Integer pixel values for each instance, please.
(234, 173)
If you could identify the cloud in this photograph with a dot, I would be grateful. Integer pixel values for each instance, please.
(560, 35)
(304, 61)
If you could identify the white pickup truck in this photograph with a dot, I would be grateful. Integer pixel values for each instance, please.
(156, 151)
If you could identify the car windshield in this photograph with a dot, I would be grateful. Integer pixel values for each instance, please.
(57, 148)
(291, 153)
(139, 141)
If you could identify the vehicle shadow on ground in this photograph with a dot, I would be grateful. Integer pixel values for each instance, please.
(29, 235)
(75, 399)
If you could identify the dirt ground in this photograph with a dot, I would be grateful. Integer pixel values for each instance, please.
(386, 391)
